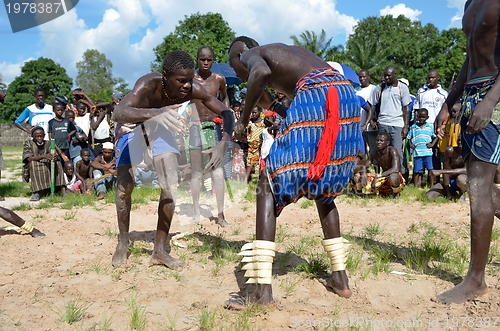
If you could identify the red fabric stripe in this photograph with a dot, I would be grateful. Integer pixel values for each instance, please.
(329, 136)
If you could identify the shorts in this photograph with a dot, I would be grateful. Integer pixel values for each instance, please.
(421, 162)
(485, 145)
(202, 136)
(160, 139)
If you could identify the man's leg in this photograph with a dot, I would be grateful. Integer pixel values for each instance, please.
(124, 187)
(15, 219)
(329, 217)
(218, 182)
(480, 187)
(265, 230)
(196, 174)
(166, 166)
(397, 142)
(100, 185)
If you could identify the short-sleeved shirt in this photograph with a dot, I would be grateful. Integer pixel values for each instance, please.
(392, 99)
(37, 117)
(431, 99)
(365, 93)
(420, 137)
(60, 130)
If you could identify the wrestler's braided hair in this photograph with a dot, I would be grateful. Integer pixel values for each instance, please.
(177, 60)
(249, 42)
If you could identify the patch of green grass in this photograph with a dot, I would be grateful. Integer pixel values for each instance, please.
(381, 259)
(306, 203)
(139, 248)
(495, 234)
(313, 268)
(111, 233)
(23, 206)
(70, 215)
(138, 320)
(289, 286)
(281, 233)
(73, 311)
(206, 320)
(372, 230)
(99, 268)
(252, 186)
(15, 189)
(354, 259)
(282, 261)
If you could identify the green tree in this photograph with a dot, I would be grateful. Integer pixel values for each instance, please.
(195, 31)
(95, 76)
(412, 48)
(44, 73)
(319, 45)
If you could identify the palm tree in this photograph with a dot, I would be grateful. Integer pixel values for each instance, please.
(366, 55)
(319, 45)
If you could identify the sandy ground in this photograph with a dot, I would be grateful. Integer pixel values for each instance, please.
(40, 277)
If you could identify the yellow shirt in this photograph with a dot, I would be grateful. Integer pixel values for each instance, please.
(453, 131)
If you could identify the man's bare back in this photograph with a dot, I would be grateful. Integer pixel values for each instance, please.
(283, 74)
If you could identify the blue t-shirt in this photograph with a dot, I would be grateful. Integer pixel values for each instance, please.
(420, 137)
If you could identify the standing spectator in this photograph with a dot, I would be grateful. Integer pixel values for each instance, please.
(82, 118)
(61, 130)
(36, 159)
(370, 128)
(38, 114)
(431, 97)
(393, 117)
(422, 139)
(99, 123)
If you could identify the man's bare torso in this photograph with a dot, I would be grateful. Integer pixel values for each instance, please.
(213, 85)
(385, 159)
(480, 25)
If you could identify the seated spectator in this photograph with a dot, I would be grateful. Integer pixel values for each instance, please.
(391, 180)
(104, 166)
(74, 182)
(143, 176)
(36, 159)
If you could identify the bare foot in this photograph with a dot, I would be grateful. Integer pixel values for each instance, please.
(120, 256)
(101, 195)
(337, 283)
(461, 293)
(195, 219)
(263, 295)
(36, 233)
(221, 220)
(166, 260)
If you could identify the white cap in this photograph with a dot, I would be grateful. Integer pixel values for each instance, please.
(108, 145)
(404, 81)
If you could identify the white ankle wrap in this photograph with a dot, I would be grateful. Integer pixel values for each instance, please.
(335, 249)
(258, 257)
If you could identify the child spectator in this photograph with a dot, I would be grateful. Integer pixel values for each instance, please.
(61, 129)
(83, 166)
(267, 136)
(104, 166)
(391, 180)
(74, 182)
(82, 120)
(238, 162)
(254, 140)
(99, 122)
(422, 139)
(78, 141)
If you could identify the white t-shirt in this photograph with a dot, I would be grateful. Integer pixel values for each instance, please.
(365, 93)
(83, 123)
(431, 99)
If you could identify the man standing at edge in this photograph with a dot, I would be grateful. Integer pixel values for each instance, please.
(478, 84)
(202, 128)
(151, 102)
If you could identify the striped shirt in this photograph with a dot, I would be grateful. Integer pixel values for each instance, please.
(420, 137)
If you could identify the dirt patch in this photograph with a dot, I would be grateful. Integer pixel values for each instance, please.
(40, 277)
